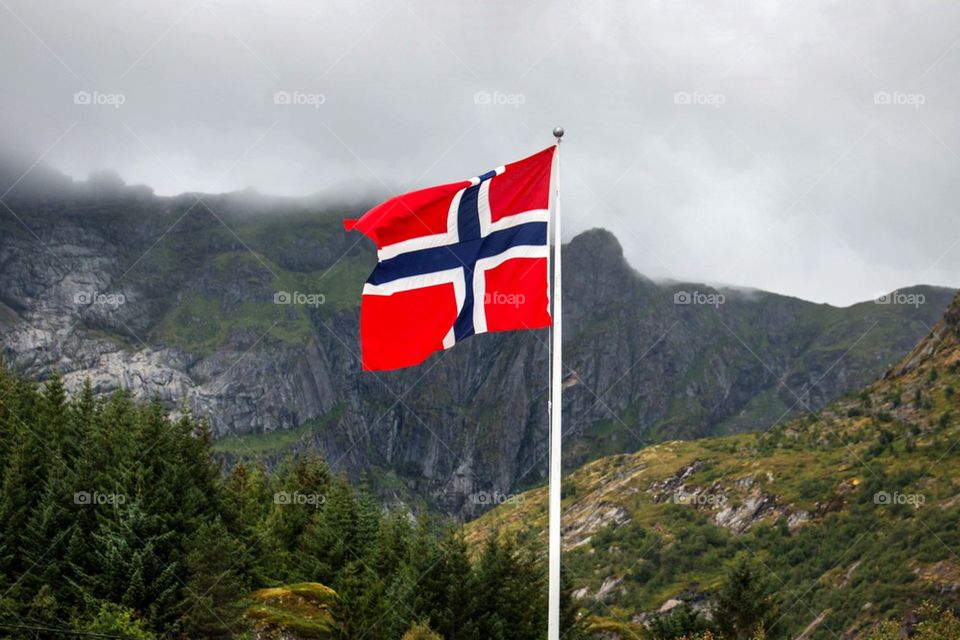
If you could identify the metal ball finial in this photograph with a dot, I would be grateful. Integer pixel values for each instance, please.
(558, 132)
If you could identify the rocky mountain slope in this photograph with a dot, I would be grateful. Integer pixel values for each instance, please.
(850, 512)
(244, 308)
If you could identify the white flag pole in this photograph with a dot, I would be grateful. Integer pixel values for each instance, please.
(556, 429)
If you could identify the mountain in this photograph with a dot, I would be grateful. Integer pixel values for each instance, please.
(243, 307)
(849, 513)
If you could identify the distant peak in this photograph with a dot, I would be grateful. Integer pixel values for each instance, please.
(105, 180)
(597, 240)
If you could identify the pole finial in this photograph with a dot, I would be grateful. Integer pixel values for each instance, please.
(558, 132)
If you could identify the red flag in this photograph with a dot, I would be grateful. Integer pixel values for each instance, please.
(455, 260)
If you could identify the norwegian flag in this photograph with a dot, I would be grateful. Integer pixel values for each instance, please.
(456, 260)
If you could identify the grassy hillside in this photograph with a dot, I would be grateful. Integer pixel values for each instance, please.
(234, 291)
(851, 513)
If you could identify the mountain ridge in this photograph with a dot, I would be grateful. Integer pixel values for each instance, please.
(198, 325)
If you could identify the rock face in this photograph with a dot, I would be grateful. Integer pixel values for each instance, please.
(309, 604)
(177, 297)
(941, 338)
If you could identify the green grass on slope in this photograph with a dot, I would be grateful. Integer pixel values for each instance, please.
(241, 294)
(215, 283)
(765, 404)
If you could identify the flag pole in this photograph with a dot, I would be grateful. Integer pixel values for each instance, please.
(556, 430)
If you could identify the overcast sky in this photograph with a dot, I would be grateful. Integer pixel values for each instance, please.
(809, 148)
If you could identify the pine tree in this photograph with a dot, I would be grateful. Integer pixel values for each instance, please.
(300, 490)
(26, 471)
(743, 603)
(213, 606)
(55, 422)
(488, 606)
(83, 413)
(443, 591)
(246, 499)
(201, 476)
(48, 534)
(572, 626)
(8, 416)
(132, 569)
(367, 530)
(359, 608)
(509, 590)
(457, 570)
(109, 449)
(397, 562)
(101, 468)
(245, 504)
(328, 542)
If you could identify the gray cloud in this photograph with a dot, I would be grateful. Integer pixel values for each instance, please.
(809, 148)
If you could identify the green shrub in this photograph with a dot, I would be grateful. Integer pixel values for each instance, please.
(934, 623)
(421, 631)
(112, 620)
